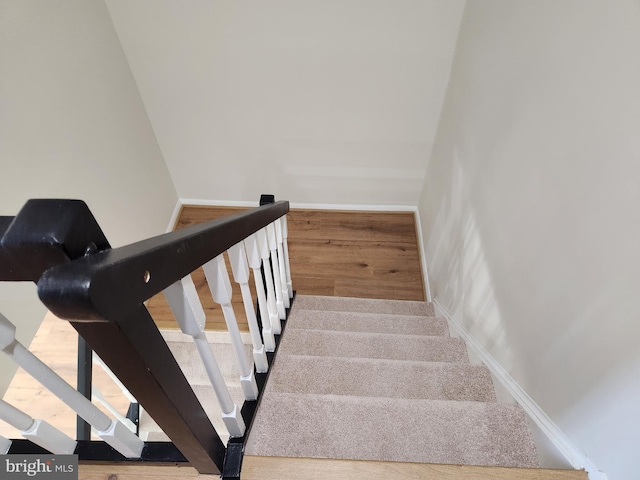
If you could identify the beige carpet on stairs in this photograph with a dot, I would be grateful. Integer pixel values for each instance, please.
(382, 380)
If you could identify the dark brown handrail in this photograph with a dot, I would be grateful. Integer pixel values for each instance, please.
(59, 245)
(113, 282)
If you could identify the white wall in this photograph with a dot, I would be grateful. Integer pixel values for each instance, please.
(333, 101)
(72, 125)
(530, 209)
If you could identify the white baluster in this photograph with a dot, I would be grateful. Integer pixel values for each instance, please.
(253, 254)
(5, 445)
(283, 271)
(220, 286)
(38, 431)
(111, 431)
(97, 395)
(240, 269)
(98, 361)
(273, 247)
(185, 304)
(263, 245)
(285, 243)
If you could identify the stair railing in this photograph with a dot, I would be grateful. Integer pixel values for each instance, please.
(185, 304)
(37, 430)
(240, 269)
(101, 291)
(131, 419)
(255, 259)
(110, 430)
(87, 358)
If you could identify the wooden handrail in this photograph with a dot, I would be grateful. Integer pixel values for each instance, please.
(115, 281)
(59, 245)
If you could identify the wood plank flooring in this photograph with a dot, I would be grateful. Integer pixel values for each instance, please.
(335, 253)
(139, 472)
(281, 468)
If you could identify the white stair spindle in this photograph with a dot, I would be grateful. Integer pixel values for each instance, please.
(14, 416)
(285, 243)
(273, 247)
(220, 286)
(253, 254)
(263, 244)
(281, 267)
(38, 431)
(5, 445)
(97, 395)
(112, 432)
(240, 269)
(98, 361)
(184, 302)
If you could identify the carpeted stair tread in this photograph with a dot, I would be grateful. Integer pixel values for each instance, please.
(381, 378)
(373, 345)
(364, 305)
(387, 429)
(368, 322)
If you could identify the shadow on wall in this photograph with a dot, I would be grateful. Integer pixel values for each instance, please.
(456, 259)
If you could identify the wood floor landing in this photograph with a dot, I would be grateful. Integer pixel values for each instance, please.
(281, 468)
(335, 253)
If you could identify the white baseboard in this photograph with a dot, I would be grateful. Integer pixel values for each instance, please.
(569, 450)
(423, 255)
(362, 208)
(174, 216)
(217, 203)
(311, 206)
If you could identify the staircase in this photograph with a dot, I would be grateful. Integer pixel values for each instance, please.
(360, 388)
(382, 380)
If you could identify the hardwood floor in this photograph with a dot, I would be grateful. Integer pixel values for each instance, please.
(139, 472)
(281, 468)
(336, 253)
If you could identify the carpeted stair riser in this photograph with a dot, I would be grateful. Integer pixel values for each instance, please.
(389, 429)
(382, 378)
(363, 305)
(373, 345)
(368, 322)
